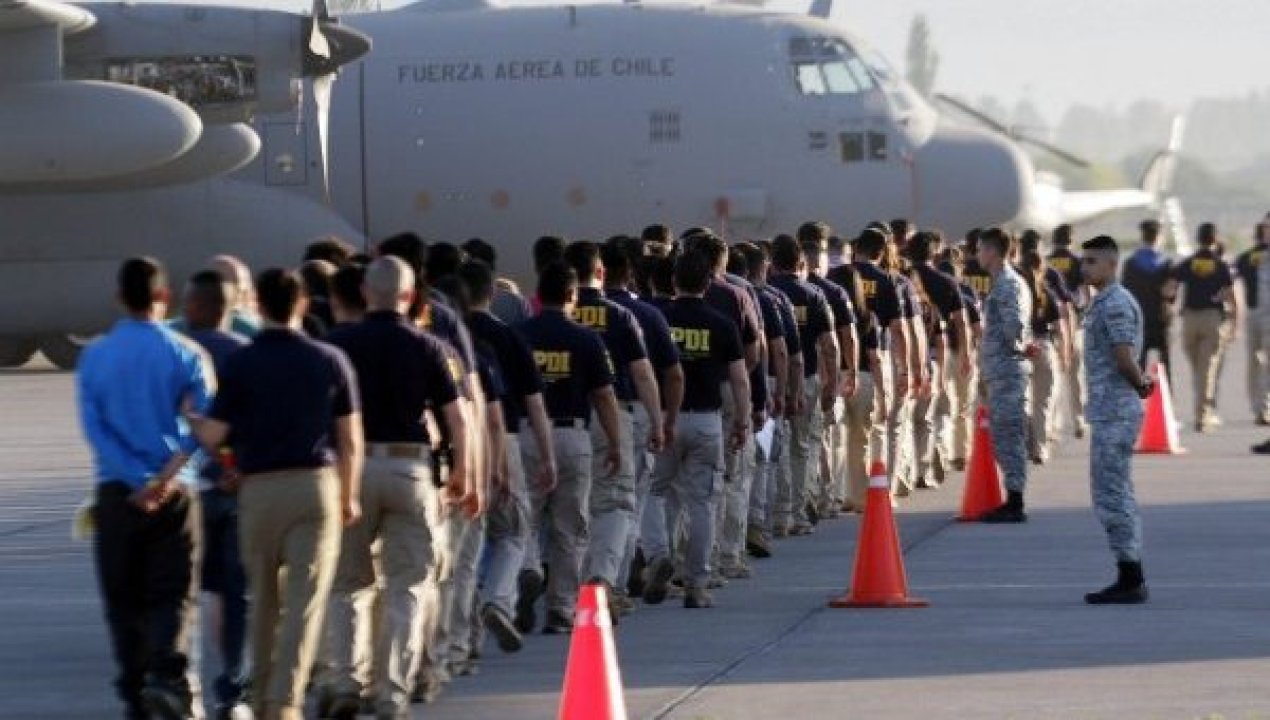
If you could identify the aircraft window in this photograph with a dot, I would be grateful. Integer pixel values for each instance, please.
(877, 146)
(852, 146)
(663, 126)
(197, 80)
(827, 66)
(810, 81)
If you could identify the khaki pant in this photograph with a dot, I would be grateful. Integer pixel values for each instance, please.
(507, 531)
(836, 490)
(1046, 374)
(863, 413)
(899, 435)
(954, 417)
(689, 475)
(613, 501)
(779, 485)
(1258, 341)
(806, 434)
(923, 422)
(559, 521)
(1202, 343)
(289, 525)
(396, 495)
(1074, 382)
(738, 479)
(643, 466)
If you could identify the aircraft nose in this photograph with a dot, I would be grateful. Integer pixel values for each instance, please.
(971, 178)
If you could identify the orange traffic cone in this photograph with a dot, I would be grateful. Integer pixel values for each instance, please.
(1159, 434)
(879, 580)
(983, 482)
(592, 681)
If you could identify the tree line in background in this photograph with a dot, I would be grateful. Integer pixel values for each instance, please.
(1224, 172)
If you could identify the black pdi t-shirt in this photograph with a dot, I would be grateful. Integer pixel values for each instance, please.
(708, 343)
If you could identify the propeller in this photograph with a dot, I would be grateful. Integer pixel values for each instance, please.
(329, 47)
(1014, 133)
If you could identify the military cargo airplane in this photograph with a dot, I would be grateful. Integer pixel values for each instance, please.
(467, 120)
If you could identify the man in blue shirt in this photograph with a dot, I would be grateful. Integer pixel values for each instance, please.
(206, 313)
(133, 384)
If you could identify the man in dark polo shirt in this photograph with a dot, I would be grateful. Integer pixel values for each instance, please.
(829, 495)
(289, 407)
(613, 496)
(1246, 267)
(1065, 262)
(689, 471)
(664, 356)
(882, 297)
(401, 372)
(820, 365)
(1147, 274)
(132, 385)
(578, 384)
(206, 313)
(525, 419)
(1208, 294)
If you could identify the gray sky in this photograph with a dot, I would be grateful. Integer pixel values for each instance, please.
(1057, 52)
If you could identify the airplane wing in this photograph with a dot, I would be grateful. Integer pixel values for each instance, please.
(1078, 207)
(19, 15)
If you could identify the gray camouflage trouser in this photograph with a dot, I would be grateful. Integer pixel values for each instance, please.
(1111, 486)
(1007, 385)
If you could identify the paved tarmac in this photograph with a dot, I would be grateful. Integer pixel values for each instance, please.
(1007, 635)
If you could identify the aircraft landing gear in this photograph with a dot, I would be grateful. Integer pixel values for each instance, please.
(63, 350)
(16, 351)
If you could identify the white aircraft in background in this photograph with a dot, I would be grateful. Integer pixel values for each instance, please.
(466, 120)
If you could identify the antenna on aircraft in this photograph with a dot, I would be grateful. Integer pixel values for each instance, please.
(821, 8)
(1014, 133)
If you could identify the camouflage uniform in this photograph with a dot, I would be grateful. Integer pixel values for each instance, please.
(1115, 415)
(1004, 370)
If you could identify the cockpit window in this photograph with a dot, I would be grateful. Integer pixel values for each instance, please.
(825, 65)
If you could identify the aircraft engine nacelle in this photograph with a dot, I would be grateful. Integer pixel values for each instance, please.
(85, 131)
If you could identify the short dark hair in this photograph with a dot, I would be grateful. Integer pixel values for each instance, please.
(409, 247)
(1030, 241)
(209, 287)
(317, 276)
(972, 239)
(1062, 236)
(443, 261)
(786, 252)
(711, 245)
(278, 292)
(657, 233)
(755, 257)
(346, 286)
(815, 231)
(921, 249)
(1207, 234)
(871, 243)
(899, 228)
(547, 249)
(997, 239)
(456, 290)
(583, 256)
(141, 280)
(737, 264)
(332, 249)
(555, 282)
(617, 261)
(1102, 242)
(661, 274)
(693, 271)
(479, 279)
(480, 250)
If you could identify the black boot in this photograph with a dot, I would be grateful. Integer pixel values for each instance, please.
(1130, 588)
(1010, 512)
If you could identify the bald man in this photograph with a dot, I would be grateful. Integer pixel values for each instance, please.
(401, 370)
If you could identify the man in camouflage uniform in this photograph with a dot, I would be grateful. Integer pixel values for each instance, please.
(1113, 340)
(1003, 364)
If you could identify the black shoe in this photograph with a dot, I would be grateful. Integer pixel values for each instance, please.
(557, 624)
(1130, 588)
(813, 515)
(925, 483)
(529, 586)
(657, 582)
(344, 706)
(613, 599)
(757, 545)
(501, 627)
(697, 598)
(164, 702)
(635, 580)
(1262, 449)
(1261, 420)
(1004, 514)
(135, 711)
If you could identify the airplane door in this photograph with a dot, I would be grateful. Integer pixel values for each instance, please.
(286, 153)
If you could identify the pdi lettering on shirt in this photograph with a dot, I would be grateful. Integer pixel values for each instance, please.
(553, 365)
(593, 316)
(691, 341)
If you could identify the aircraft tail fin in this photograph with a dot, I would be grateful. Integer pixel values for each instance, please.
(1157, 179)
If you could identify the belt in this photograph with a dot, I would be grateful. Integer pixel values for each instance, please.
(573, 423)
(399, 451)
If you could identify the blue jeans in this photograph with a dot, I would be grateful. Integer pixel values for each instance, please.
(223, 575)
